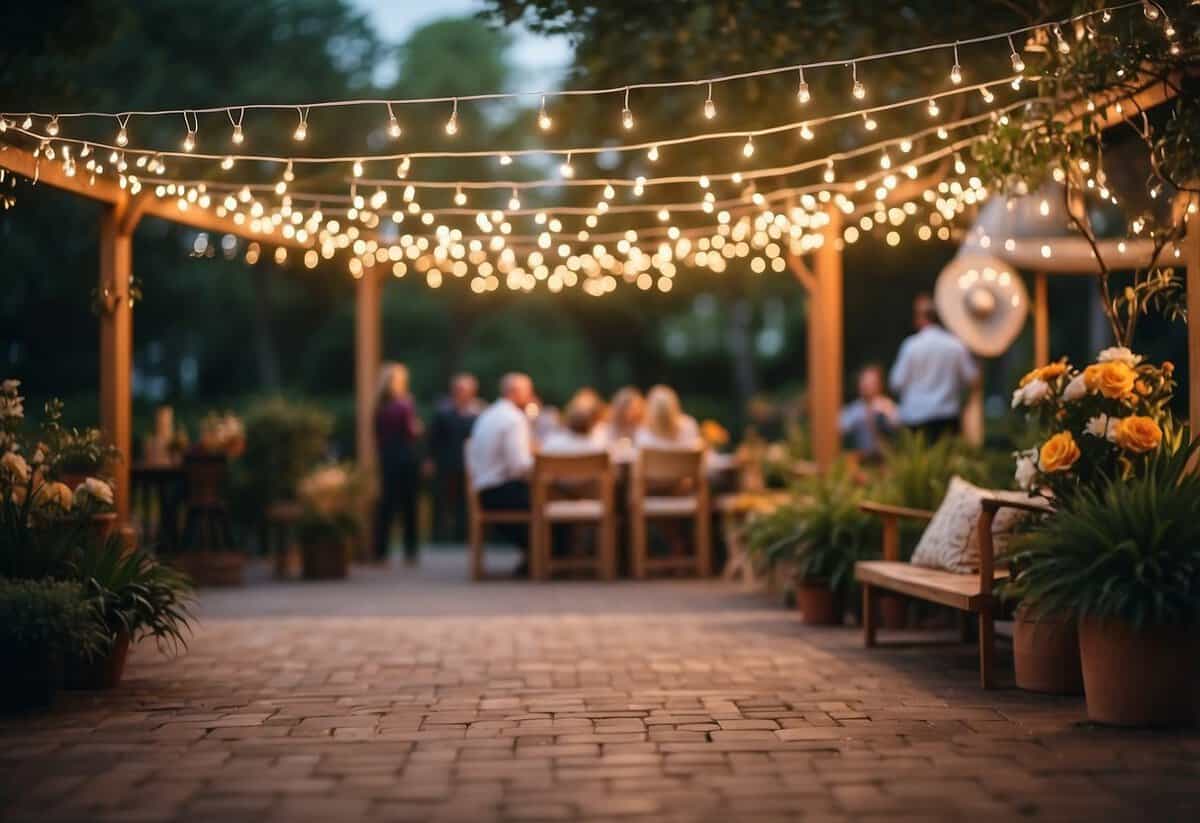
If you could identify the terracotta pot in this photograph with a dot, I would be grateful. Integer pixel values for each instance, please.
(30, 682)
(893, 610)
(211, 568)
(324, 561)
(1140, 677)
(1046, 653)
(818, 605)
(104, 671)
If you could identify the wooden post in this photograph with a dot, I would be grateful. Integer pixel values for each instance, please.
(367, 345)
(1192, 256)
(1041, 320)
(825, 342)
(116, 346)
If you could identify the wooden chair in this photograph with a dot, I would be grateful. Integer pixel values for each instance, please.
(591, 473)
(969, 593)
(680, 472)
(479, 518)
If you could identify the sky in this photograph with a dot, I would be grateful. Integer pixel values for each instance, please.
(540, 61)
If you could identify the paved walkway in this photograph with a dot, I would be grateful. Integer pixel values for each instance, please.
(414, 695)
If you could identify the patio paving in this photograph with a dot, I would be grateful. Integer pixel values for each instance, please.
(414, 695)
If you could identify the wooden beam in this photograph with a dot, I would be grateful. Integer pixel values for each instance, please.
(106, 190)
(1041, 319)
(825, 342)
(367, 361)
(116, 349)
(1192, 257)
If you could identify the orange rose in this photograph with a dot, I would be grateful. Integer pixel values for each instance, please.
(1046, 373)
(1058, 453)
(1137, 434)
(1113, 379)
(1168, 368)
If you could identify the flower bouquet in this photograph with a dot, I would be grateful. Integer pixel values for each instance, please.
(328, 497)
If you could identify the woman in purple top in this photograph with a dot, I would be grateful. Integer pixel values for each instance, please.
(397, 431)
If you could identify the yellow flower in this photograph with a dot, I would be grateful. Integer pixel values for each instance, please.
(54, 495)
(1137, 434)
(1058, 453)
(1046, 373)
(1112, 379)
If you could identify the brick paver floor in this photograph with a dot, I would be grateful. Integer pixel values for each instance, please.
(414, 695)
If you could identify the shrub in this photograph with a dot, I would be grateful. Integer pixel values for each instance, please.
(40, 618)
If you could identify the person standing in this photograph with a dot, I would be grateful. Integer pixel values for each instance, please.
(397, 431)
(869, 422)
(499, 456)
(448, 433)
(932, 375)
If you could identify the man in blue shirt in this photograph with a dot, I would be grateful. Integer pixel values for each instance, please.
(932, 375)
(871, 420)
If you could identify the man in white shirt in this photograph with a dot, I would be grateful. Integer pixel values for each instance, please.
(932, 375)
(499, 455)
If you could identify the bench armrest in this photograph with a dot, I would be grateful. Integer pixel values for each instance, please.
(890, 515)
(994, 504)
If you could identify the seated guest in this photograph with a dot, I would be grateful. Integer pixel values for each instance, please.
(578, 434)
(625, 416)
(500, 455)
(666, 426)
(871, 420)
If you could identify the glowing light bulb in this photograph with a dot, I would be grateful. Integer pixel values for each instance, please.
(609, 192)
(544, 120)
(1061, 42)
(460, 199)
(393, 127)
(987, 95)
(452, 125)
(956, 74)
(704, 181)
(357, 168)
(52, 127)
(885, 161)
(933, 109)
(505, 160)
(1150, 9)
(664, 215)
(189, 142)
(514, 202)
(652, 155)
(802, 92)
(859, 91)
(806, 132)
(566, 169)
(829, 175)
(1018, 64)
(710, 109)
(301, 132)
(238, 136)
(227, 163)
(627, 119)
(869, 123)
(748, 148)
(27, 123)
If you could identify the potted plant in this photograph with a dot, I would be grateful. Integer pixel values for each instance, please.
(208, 554)
(821, 535)
(328, 522)
(135, 597)
(41, 621)
(1100, 424)
(1124, 559)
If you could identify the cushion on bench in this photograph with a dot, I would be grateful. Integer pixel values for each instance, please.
(951, 540)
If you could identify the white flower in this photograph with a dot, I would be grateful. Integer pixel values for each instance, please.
(1120, 354)
(1027, 470)
(93, 489)
(1075, 390)
(1032, 393)
(1097, 426)
(15, 467)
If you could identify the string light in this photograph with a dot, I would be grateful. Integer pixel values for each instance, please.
(1018, 64)
(452, 123)
(52, 127)
(626, 113)
(505, 160)
(357, 168)
(189, 142)
(544, 121)
(802, 92)
(806, 133)
(858, 90)
(710, 108)
(301, 132)
(393, 127)
(829, 176)
(869, 122)
(1061, 42)
(1151, 10)
(652, 155)
(956, 70)
(748, 148)
(514, 202)
(227, 163)
(566, 169)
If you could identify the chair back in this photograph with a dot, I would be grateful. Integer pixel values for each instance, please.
(586, 474)
(665, 465)
(474, 508)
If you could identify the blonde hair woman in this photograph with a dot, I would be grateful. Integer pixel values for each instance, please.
(397, 431)
(666, 426)
(626, 413)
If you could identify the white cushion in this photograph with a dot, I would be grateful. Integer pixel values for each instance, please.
(574, 510)
(669, 506)
(951, 540)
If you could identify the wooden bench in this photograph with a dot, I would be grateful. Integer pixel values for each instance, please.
(969, 593)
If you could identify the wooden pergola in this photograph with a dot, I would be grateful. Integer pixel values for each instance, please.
(821, 276)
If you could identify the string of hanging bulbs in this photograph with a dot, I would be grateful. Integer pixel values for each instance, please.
(235, 114)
